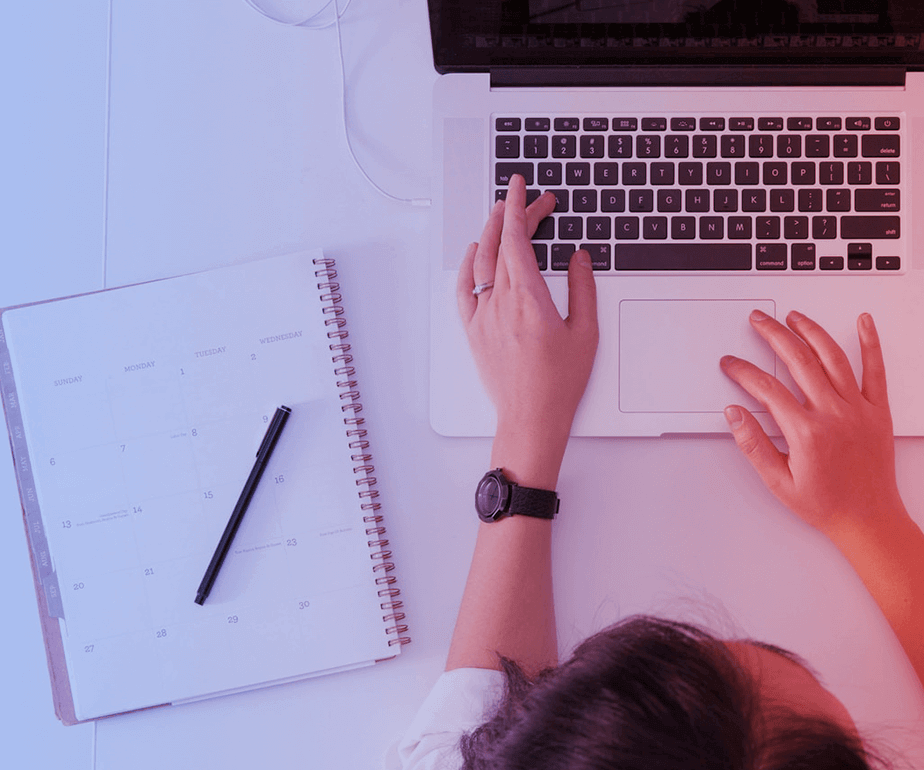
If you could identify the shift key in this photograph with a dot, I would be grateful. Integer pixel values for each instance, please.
(870, 227)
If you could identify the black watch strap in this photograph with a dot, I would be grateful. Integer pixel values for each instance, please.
(539, 503)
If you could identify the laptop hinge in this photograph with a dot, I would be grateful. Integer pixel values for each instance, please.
(584, 76)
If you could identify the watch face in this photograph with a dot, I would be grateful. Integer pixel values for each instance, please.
(489, 498)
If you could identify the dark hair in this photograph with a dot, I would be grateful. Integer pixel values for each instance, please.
(652, 694)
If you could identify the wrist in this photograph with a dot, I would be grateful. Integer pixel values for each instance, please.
(531, 456)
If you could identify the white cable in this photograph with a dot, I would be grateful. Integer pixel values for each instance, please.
(313, 22)
(309, 23)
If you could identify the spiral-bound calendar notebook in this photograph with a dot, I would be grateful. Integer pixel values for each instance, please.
(134, 416)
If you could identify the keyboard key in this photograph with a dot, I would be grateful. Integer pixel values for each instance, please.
(683, 124)
(507, 146)
(733, 146)
(619, 146)
(561, 255)
(596, 124)
(789, 146)
(598, 228)
(870, 227)
(741, 124)
(670, 201)
(771, 256)
(888, 172)
(648, 146)
(676, 146)
(654, 228)
(877, 200)
(606, 174)
(564, 146)
(888, 124)
(654, 124)
(577, 173)
(825, 228)
(507, 124)
(795, 228)
(880, 145)
(567, 124)
(625, 124)
(860, 172)
(817, 146)
(858, 124)
(584, 201)
(538, 124)
(570, 228)
(888, 263)
(626, 228)
(705, 146)
(686, 256)
(592, 146)
(601, 255)
(828, 124)
(859, 256)
(550, 174)
(831, 263)
(503, 172)
(769, 124)
(535, 146)
(846, 146)
(803, 256)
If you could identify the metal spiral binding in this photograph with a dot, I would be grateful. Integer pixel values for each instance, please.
(357, 434)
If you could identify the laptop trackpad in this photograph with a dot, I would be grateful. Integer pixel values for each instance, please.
(669, 353)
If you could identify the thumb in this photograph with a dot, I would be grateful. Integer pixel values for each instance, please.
(771, 465)
(582, 291)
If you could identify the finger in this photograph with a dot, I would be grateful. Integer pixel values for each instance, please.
(582, 292)
(770, 463)
(769, 391)
(465, 284)
(518, 259)
(832, 357)
(538, 210)
(484, 267)
(799, 358)
(874, 374)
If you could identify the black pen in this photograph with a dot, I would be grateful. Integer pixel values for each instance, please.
(224, 545)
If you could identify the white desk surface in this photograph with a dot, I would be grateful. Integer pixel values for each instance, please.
(225, 142)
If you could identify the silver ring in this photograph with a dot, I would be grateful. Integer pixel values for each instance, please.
(482, 287)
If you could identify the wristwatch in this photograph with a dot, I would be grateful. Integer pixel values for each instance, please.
(497, 496)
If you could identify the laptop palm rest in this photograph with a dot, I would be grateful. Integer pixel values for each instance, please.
(669, 353)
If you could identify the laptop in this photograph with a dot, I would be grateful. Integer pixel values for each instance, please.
(714, 157)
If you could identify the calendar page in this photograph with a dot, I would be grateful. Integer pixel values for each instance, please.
(142, 410)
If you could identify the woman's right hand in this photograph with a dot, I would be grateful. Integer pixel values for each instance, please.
(839, 473)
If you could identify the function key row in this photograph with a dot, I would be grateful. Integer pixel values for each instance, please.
(590, 145)
(507, 124)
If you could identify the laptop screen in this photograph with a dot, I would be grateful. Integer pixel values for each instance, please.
(481, 35)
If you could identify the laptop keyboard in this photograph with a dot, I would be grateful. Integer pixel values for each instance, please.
(759, 194)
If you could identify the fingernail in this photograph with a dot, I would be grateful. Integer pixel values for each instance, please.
(734, 417)
(867, 320)
(795, 316)
(727, 360)
(759, 315)
(583, 258)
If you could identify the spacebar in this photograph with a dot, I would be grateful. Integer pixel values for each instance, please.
(683, 256)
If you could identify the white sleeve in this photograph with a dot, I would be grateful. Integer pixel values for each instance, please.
(461, 700)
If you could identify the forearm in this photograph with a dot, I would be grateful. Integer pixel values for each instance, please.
(507, 607)
(888, 556)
